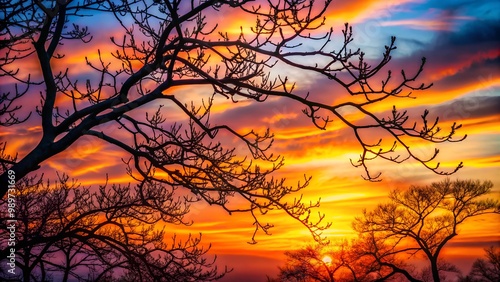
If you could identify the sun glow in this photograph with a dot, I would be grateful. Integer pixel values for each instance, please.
(327, 259)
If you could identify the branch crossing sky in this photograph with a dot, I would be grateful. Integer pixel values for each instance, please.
(461, 42)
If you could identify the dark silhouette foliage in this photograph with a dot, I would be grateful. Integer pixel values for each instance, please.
(485, 269)
(420, 221)
(416, 223)
(72, 233)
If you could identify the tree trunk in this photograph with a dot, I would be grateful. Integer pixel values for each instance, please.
(31, 162)
(22, 168)
(26, 269)
(435, 270)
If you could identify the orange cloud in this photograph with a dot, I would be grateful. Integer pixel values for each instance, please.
(359, 10)
(438, 72)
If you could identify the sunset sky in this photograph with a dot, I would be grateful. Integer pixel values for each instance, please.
(461, 42)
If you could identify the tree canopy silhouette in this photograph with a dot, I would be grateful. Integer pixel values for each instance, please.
(330, 263)
(73, 233)
(416, 223)
(420, 221)
(485, 269)
(166, 45)
(308, 265)
(344, 264)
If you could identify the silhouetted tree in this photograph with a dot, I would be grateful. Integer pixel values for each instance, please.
(487, 270)
(72, 233)
(345, 262)
(166, 45)
(420, 221)
(309, 264)
(417, 222)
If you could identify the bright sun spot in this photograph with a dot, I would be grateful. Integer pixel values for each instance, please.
(327, 259)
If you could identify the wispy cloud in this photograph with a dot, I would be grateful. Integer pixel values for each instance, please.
(445, 23)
